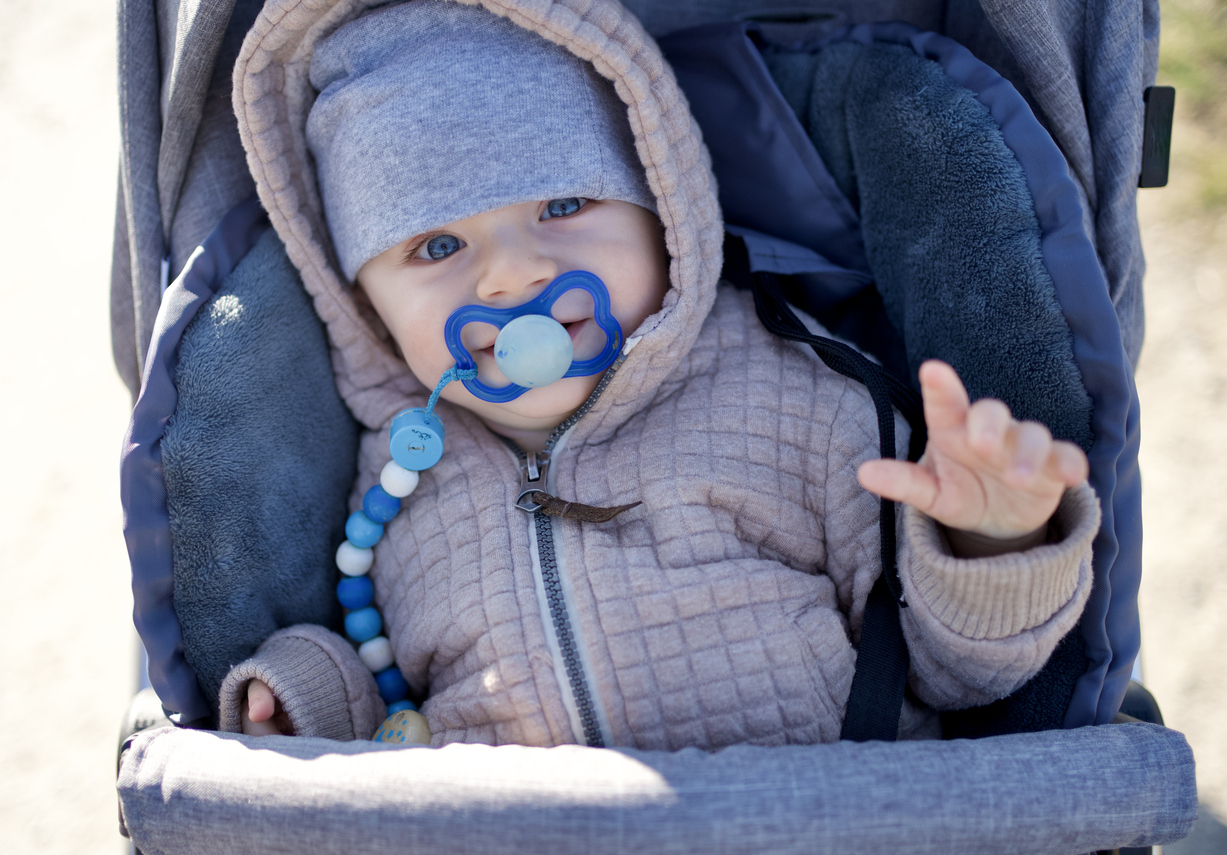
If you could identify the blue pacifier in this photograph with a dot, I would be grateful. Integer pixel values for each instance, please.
(532, 349)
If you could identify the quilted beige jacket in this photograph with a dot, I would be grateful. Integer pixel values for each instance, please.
(724, 609)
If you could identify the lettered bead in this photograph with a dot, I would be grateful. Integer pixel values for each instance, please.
(392, 685)
(397, 480)
(416, 440)
(354, 560)
(362, 530)
(405, 726)
(376, 654)
(363, 624)
(379, 505)
(355, 592)
(406, 704)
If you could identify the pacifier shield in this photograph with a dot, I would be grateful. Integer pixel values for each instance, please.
(533, 351)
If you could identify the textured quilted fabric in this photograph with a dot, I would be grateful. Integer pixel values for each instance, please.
(724, 609)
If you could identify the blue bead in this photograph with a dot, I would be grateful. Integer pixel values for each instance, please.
(362, 531)
(400, 706)
(379, 506)
(417, 439)
(363, 624)
(392, 686)
(355, 592)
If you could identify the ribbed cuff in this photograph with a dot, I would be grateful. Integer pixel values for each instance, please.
(1000, 596)
(319, 680)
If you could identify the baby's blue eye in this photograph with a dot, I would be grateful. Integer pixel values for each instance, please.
(562, 207)
(440, 247)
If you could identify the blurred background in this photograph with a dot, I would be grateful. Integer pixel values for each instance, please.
(67, 647)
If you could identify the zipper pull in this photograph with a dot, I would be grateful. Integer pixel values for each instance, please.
(533, 469)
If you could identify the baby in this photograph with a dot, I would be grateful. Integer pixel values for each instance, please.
(464, 160)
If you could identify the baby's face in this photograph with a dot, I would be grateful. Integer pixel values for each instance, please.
(504, 258)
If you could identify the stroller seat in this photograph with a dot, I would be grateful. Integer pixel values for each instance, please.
(210, 570)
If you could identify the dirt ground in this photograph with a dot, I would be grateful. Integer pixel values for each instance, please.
(67, 650)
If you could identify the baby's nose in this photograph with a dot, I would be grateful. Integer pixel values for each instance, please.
(516, 273)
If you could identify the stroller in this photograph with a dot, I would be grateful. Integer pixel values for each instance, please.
(815, 220)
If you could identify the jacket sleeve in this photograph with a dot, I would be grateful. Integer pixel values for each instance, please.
(976, 629)
(322, 684)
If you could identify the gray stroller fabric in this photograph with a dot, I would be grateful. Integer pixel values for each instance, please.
(1045, 793)
(258, 459)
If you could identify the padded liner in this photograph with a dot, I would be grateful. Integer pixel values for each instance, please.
(259, 457)
(949, 226)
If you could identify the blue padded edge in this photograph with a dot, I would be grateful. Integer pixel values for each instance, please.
(141, 484)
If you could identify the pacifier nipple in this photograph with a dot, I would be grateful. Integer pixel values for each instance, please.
(533, 351)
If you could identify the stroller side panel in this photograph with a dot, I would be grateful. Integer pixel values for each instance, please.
(182, 167)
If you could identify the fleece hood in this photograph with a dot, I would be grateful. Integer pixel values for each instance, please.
(273, 96)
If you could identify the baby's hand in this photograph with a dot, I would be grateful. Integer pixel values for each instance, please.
(982, 471)
(262, 714)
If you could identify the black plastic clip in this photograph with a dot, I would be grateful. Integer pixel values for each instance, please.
(1157, 135)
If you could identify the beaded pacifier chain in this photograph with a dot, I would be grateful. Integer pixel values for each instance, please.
(530, 353)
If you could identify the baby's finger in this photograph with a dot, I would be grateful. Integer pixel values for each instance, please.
(1031, 444)
(988, 421)
(259, 728)
(260, 701)
(1068, 464)
(899, 482)
(945, 399)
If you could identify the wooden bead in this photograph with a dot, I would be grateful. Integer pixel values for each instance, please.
(405, 727)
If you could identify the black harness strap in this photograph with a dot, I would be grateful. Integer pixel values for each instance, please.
(876, 699)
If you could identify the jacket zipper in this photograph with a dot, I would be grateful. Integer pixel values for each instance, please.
(534, 472)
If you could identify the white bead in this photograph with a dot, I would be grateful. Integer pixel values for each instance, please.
(398, 481)
(354, 560)
(376, 654)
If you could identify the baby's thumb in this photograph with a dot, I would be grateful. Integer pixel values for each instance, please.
(260, 701)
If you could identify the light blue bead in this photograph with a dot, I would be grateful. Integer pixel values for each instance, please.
(355, 592)
(416, 442)
(533, 351)
(392, 686)
(362, 531)
(363, 624)
(379, 506)
(400, 706)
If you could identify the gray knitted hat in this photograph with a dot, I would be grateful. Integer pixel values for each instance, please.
(430, 112)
